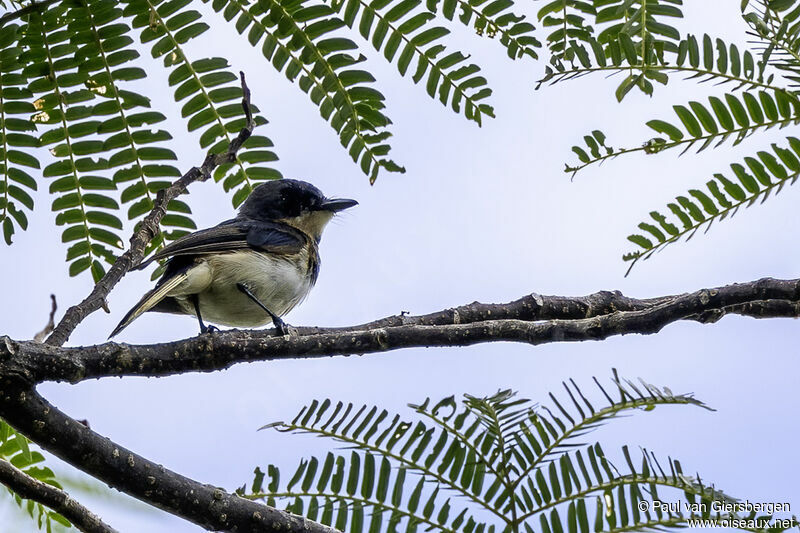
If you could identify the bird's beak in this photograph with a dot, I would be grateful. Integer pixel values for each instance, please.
(335, 205)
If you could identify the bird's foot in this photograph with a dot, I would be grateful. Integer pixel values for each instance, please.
(281, 328)
(208, 329)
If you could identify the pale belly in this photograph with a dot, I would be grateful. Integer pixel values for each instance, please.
(278, 284)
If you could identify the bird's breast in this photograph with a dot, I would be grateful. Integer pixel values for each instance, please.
(280, 282)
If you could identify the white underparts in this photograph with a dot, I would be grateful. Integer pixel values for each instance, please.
(278, 283)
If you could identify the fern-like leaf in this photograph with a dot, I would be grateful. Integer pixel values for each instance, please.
(516, 466)
(758, 178)
(208, 90)
(82, 201)
(702, 60)
(401, 32)
(294, 38)
(704, 125)
(491, 18)
(567, 18)
(17, 183)
(140, 160)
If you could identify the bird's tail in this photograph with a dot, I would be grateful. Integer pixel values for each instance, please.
(149, 300)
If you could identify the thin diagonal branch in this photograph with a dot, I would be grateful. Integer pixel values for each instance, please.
(209, 507)
(533, 320)
(56, 499)
(149, 229)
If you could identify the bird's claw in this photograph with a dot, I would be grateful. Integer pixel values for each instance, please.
(281, 329)
(209, 329)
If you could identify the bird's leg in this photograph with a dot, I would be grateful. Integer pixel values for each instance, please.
(280, 326)
(203, 327)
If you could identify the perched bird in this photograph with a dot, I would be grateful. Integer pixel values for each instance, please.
(249, 270)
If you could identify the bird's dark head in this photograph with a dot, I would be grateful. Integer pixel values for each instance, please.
(293, 202)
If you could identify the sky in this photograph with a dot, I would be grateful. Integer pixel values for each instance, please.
(482, 214)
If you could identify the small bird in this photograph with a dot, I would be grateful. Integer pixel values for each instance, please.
(249, 270)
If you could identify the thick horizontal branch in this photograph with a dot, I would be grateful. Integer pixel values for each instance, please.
(533, 320)
(209, 507)
(52, 497)
(148, 229)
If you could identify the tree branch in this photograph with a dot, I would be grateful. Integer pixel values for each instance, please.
(148, 229)
(56, 499)
(533, 319)
(204, 505)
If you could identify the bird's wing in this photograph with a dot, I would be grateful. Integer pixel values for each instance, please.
(233, 235)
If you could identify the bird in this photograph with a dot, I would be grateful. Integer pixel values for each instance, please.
(249, 270)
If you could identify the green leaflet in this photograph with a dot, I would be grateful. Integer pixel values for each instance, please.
(492, 463)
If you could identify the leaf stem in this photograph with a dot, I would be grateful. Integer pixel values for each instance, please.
(570, 74)
(742, 131)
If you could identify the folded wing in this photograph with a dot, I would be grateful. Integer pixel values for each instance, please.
(233, 235)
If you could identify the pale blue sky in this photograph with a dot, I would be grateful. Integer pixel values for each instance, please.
(482, 214)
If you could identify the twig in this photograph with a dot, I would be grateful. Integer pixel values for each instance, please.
(149, 228)
(533, 320)
(56, 499)
(205, 505)
(39, 337)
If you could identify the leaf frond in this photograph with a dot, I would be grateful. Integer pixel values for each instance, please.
(208, 91)
(500, 454)
(295, 38)
(757, 178)
(401, 31)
